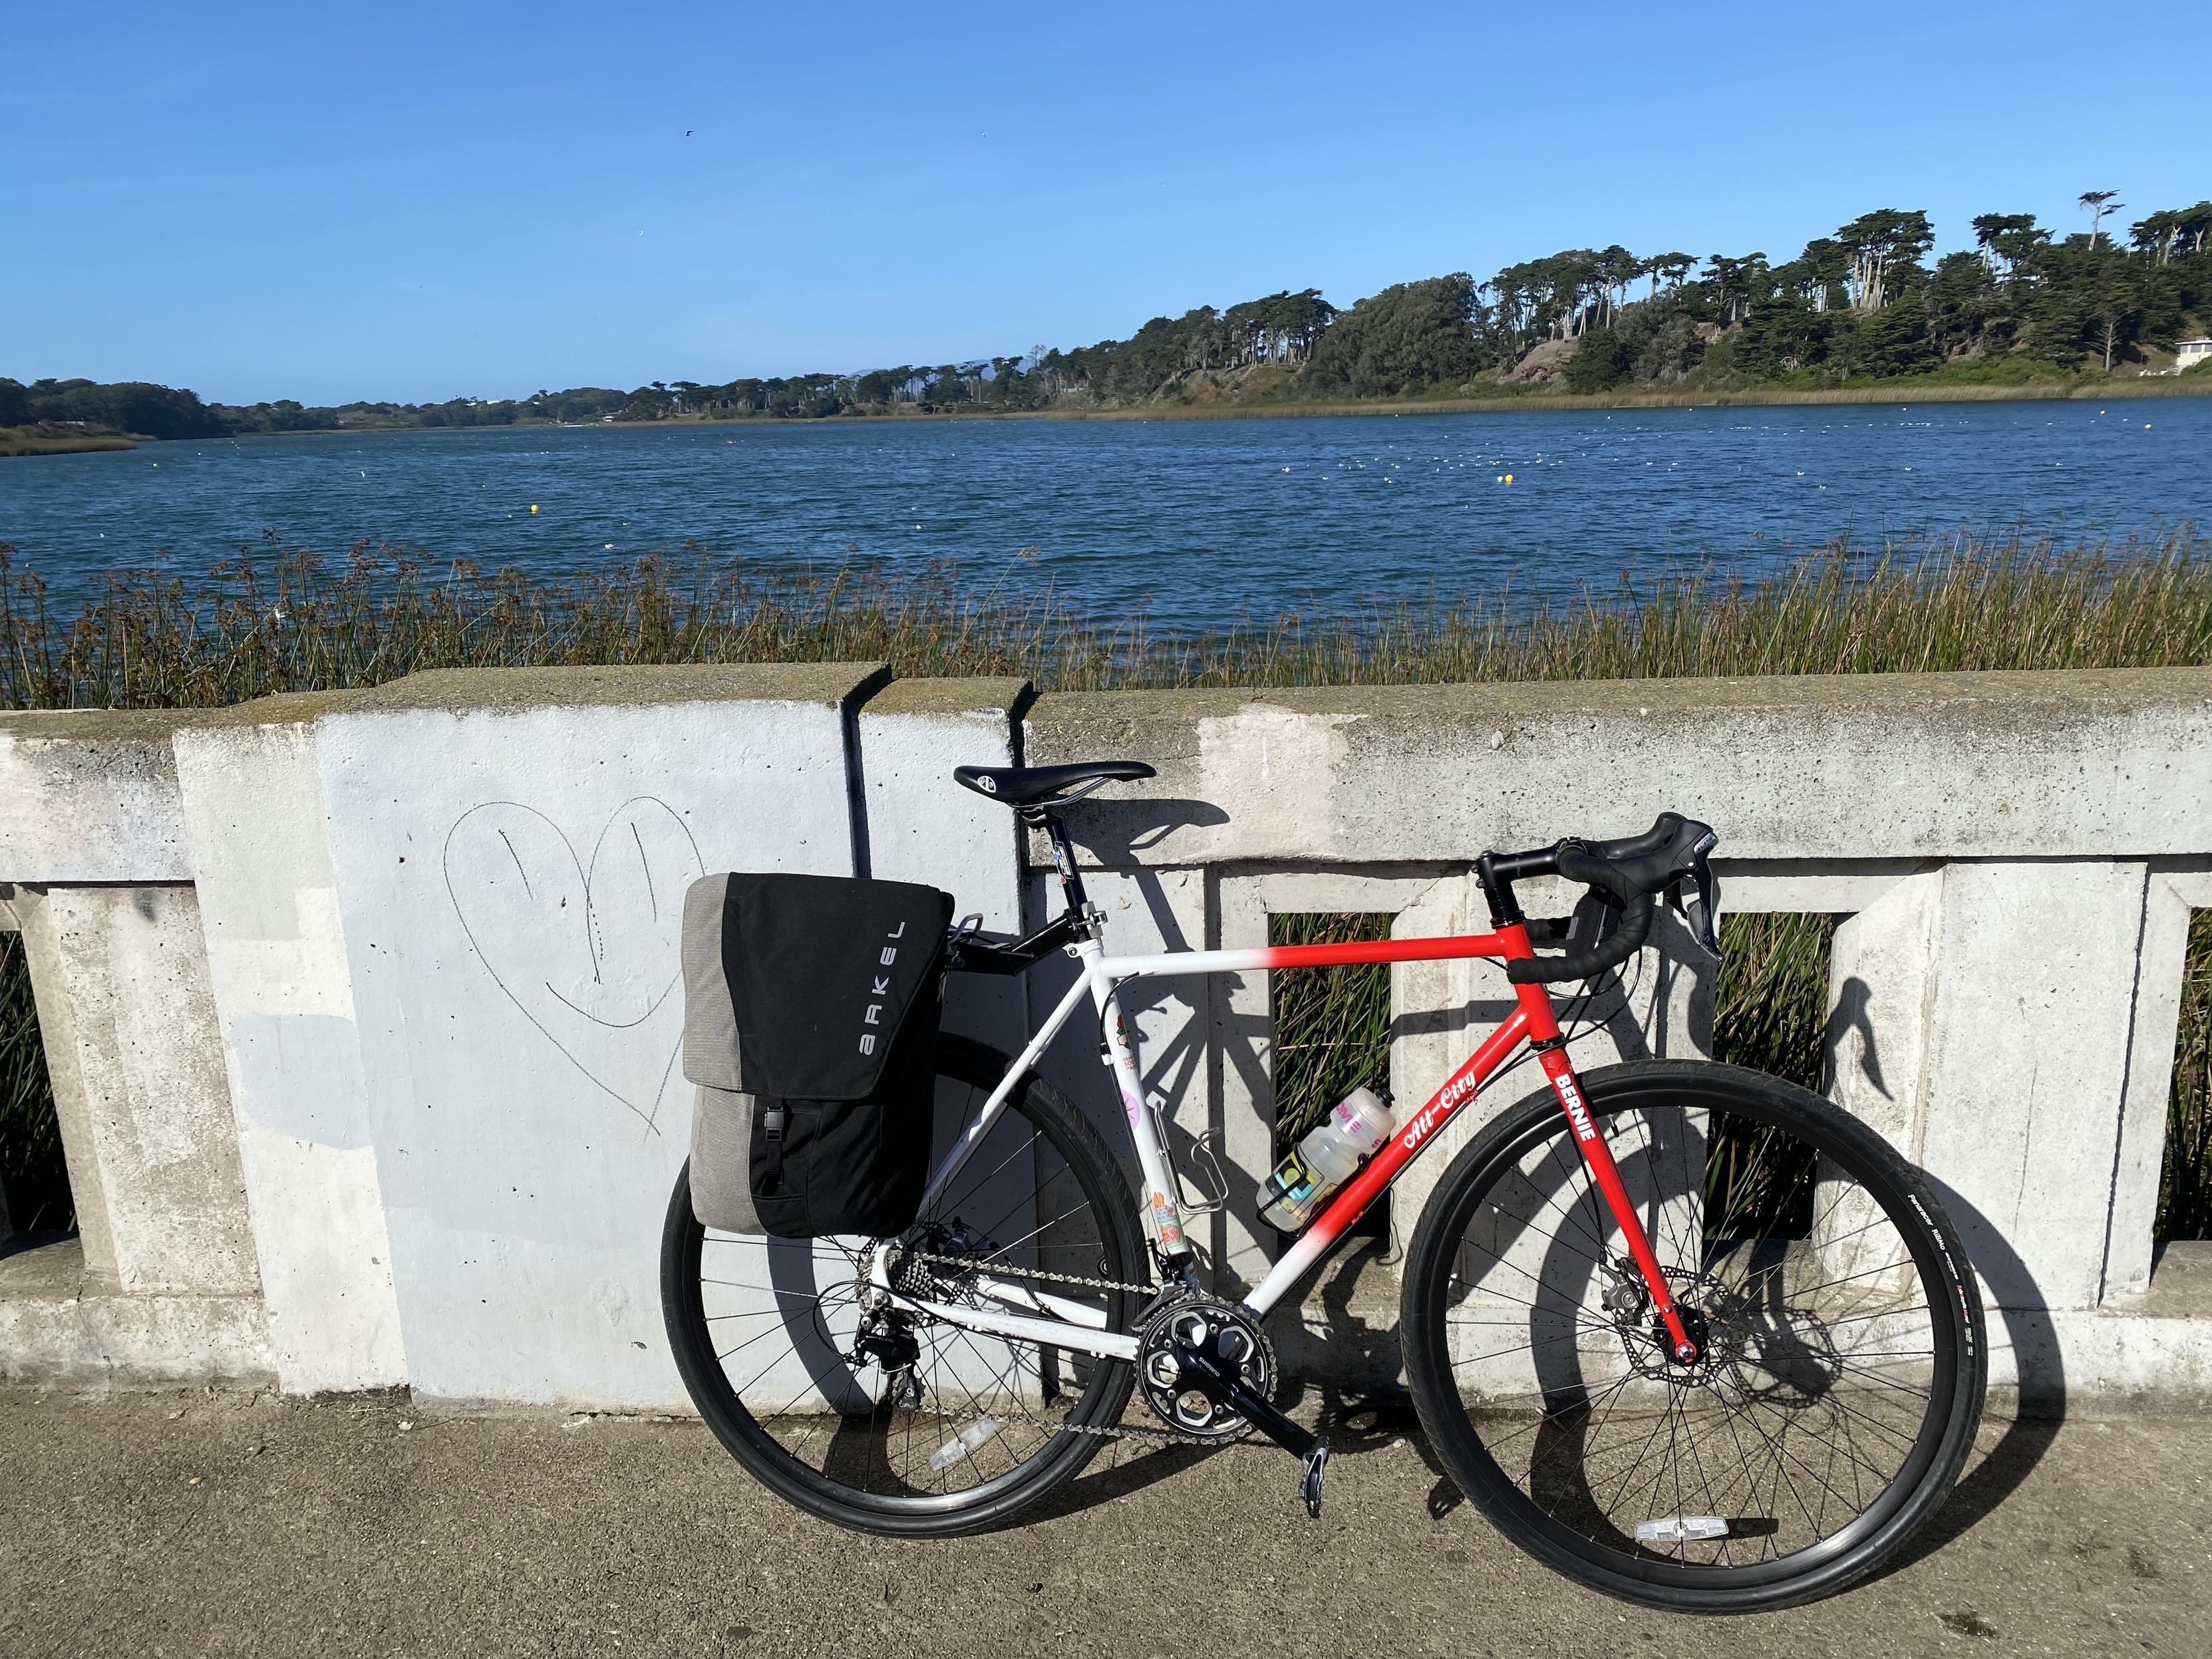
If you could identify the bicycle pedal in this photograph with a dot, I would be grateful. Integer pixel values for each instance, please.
(1316, 1461)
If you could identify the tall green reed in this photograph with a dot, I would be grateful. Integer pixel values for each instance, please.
(288, 621)
(2185, 1193)
(33, 1179)
(1331, 1025)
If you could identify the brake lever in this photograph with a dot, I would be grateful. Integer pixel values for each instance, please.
(1705, 926)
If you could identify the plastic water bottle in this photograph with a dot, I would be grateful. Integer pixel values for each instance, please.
(1324, 1160)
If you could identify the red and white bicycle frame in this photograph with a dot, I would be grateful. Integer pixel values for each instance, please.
(1026, 1314)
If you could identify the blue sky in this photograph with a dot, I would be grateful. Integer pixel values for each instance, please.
(415, 201)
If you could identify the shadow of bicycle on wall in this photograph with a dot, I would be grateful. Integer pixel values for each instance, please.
(2018, 1311)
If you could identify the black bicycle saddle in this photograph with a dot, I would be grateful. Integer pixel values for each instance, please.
(1035, 785)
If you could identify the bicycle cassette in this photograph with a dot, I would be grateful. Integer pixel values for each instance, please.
(1224, 1332)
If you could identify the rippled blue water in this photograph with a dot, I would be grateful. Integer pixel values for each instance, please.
(1199, 522)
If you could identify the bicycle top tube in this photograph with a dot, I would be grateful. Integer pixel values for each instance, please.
(1502, 946)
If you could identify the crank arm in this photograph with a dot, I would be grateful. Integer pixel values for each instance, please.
(1249, 1405)
(1310, 1449)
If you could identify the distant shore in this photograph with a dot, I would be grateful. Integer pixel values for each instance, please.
(43, 440)
(1905, 392)
(1886, 391)
(1902, 392)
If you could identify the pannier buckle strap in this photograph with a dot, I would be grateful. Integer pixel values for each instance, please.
(772, 1128)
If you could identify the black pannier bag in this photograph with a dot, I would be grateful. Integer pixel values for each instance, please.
(810, 1026)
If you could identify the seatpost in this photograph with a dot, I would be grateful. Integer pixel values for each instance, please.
(1063, 862)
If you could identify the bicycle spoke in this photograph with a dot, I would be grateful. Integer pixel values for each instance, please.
(804, 1358)
(1813, 1391)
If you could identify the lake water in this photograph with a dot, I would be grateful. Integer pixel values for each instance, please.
(1197, 521)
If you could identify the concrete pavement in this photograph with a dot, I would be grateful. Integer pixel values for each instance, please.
(236, 1523)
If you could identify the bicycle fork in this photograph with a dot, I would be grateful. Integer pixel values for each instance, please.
(1597, 1157)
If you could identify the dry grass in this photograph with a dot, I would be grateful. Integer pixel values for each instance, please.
(51, 438)
(33, 1180)
(292, 623)
(1331, 1025)
(2185, 1192)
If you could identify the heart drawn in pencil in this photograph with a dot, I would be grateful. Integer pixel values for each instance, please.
(591, 953)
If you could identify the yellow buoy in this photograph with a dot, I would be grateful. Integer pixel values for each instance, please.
(1509, 477)
(533, 507)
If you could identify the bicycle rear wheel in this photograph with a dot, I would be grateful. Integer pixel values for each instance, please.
(918, 1427)
(1843, 1364)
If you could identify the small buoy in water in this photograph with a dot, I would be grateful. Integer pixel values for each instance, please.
(533, 507)
(1509, 477)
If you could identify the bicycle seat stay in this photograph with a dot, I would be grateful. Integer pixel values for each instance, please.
(1046, 786)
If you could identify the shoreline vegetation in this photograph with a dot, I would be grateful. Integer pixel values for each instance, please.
(1858, 316)
(60, 438)
(15, 441)
(286, 620)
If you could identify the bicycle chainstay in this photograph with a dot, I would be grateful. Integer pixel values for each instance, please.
(976, 1264)
(1154, 1292)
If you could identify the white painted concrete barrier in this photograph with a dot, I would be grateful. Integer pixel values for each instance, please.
(361, 1008)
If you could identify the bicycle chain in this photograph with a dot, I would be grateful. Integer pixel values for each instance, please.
(1114, 1431)
(972, 1264)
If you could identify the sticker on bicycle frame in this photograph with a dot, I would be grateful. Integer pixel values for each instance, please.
(1167, 1221)
(1577, 1113)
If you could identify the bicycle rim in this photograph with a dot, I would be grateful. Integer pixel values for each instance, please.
(929, 1428)
(1842, 1368)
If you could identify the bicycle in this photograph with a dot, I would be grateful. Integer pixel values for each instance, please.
(1688, 1333)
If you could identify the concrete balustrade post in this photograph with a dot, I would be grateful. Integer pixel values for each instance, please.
(161, 1282)
(128, 1021)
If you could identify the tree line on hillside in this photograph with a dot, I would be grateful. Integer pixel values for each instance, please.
(1864, 303)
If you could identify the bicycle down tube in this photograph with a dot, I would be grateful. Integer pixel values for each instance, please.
(1532, 1020)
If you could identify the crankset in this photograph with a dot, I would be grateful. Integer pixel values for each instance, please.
(1207, 1368)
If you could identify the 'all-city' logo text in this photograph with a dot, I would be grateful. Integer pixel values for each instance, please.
(1449, 1098)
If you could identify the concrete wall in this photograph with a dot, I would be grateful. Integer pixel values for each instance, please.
(361, 1007)
(2018, 854)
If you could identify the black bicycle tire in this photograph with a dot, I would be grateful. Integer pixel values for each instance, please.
(1927, 1232)
(941, 1515)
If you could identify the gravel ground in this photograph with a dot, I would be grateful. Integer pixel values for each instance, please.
(235, 1523)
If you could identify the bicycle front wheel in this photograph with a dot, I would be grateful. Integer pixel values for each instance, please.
(911, 1425)
(1843, 1363)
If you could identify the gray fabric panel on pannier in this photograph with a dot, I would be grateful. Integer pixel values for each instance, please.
(710, 1020)
(722, 1160)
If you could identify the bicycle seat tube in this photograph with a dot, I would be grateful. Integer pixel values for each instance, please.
(1118, 1049)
